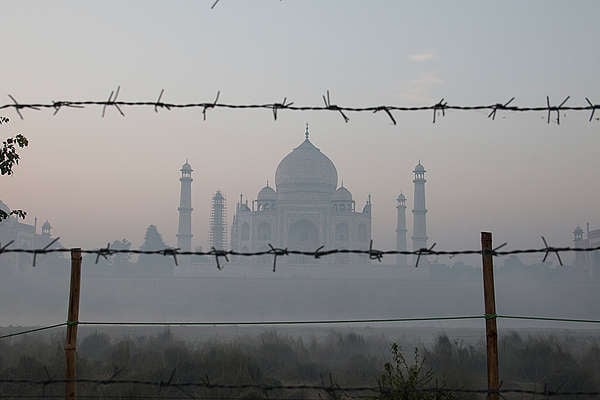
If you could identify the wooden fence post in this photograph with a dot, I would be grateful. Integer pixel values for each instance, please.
(72, 319)
(491, 331)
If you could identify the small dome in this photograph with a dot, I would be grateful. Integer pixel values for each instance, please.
(267, 193)
(578, 230)
(342, 194)
(186, 167)
(306, 169)
(419, 168)
(401, 198)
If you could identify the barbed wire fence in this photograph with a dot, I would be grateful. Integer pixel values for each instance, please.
(275, 252)
(272, 392)
(274, 107)
(332, 390)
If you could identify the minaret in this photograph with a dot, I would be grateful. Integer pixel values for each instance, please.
(419, 237)
(580, 257)
(401, 229)
(184, 233)
(217, 235)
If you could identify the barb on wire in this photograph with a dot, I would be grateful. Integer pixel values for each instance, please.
(43, 250)
(387, 111)
(117, 371)
(3, 248)
(424, 251)
(593, 107)
(59, 104)
(18, 106)
(499, 106)
(104, 253)
(334, 107)
(162, 383)
(113, 102)
(276, 253)
(277, 106)
(374, 254)
(159, 103)
(549, 250)
(494, 251)
(318, 253)
(441, 105)
(214, 4)
(171, 252)
(211, 105)
(555, 108)
(219, 253)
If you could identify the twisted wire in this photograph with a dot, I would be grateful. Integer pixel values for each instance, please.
(270, 388)
(441, 106)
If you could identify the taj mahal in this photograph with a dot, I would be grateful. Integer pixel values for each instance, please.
(305, 210)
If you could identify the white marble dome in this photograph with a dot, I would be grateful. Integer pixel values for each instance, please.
(267, 193)
(306, 169)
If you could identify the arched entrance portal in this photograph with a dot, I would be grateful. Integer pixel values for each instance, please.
(303, 235)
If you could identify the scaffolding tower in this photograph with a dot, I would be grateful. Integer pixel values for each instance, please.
(218, 227)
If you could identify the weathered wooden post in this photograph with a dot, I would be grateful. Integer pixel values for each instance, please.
(72, 319)
(491, 331)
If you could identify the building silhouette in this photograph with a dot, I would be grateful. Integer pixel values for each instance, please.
(305, 210)
(419, 234)
(184, 231)
(218, 225)
(26, 236)
(401, 229)
(589, 261)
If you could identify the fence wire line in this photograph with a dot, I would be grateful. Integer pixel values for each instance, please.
(373, 254)
(154, 396)
(332, 388)
(302, 322)
(440, 107)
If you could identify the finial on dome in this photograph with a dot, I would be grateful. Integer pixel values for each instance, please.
(306, 132)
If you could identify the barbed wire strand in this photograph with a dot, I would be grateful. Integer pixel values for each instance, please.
(43, 328)
(303, 322)
(441, 106)
(146, 396)
(206, 384)
(372, 253)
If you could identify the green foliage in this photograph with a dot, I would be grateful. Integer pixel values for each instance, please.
(8, 153)
(460, 364)
(275, 359)
(8, 159)
(404, 381)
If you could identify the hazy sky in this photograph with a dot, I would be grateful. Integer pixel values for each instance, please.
(103, 179)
